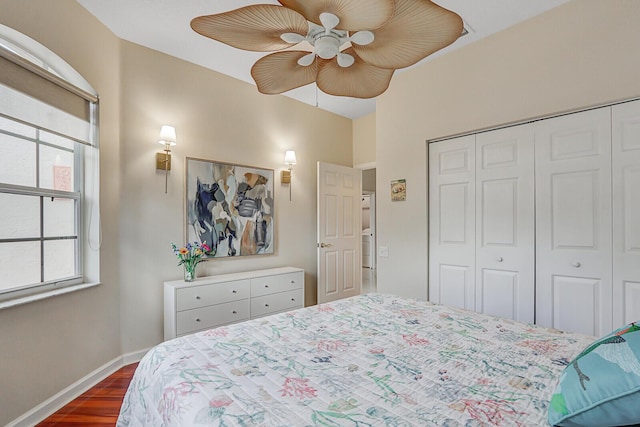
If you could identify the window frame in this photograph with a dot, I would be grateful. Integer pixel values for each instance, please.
(36, 58)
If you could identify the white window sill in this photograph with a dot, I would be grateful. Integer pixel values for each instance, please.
(44, 295)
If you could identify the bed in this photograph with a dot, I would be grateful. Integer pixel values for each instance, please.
(370, 360)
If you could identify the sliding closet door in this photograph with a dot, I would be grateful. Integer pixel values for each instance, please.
(626, 211)
(505, 281)
(573, 222)
(452, 223)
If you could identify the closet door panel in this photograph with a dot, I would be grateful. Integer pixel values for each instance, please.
(451, 222)
(499, 290)
(456, 286)
(574, 210)
(576, 302)
(573, 221)
(626, 208)
(505, 223)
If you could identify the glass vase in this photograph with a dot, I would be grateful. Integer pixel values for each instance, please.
(189, 274)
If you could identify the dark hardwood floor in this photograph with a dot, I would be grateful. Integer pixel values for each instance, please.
(99, 406)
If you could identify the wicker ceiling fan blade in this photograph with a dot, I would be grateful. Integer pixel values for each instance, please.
(417, 29)
(279, 72)
(256, 28)
(360, 80)
(354, 15)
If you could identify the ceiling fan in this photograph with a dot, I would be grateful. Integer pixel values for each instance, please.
(348, 47)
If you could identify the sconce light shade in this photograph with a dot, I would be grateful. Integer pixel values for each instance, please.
(163, 160)
(290, 158)
(167, 135)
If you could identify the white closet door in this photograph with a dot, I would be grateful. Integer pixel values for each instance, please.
(505, 281)
(573, 222)
(452, 223)
(626, 209)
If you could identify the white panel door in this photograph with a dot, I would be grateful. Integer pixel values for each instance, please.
(339, 226)
(505, 268)
(452, 223)
(573, 222)
(626, 212)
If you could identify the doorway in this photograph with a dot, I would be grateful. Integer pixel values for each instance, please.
(369, 260)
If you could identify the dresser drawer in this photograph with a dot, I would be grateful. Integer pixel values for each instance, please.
(273, 303)
(229, 298)
(212, 316)
(214, 293)
(277, 283)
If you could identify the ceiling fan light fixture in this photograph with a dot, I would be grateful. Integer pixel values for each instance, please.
(327, 47)
(292, 37)
(362, 38)
(329, 21)
(370, 39)
(307, 60)
(345, 60)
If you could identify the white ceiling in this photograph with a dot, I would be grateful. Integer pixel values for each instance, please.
(163, 25)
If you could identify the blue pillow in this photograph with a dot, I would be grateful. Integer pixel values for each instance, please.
(601, 386)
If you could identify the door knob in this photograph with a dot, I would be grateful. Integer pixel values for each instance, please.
(325, 245)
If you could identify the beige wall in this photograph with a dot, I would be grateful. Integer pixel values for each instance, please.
(580, 54)
(218, 118)
(369, 180)
(48, 345)
(364, 140)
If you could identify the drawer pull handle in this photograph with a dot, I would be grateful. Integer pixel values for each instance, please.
(576, 264)
(266, 286)
(198, 319)
(234, 291)
(499, 259)
(293, 299)
(266, 305)
(197, 297)
(293, 281)
(234, 312)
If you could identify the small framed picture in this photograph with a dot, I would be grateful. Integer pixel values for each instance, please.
(399, 190)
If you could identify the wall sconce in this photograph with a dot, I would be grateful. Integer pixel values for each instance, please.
(289, 160)
(163, 160)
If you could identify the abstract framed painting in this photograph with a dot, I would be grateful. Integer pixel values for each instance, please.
(229, 207)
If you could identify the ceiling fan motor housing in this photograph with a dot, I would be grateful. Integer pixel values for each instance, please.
(327, 46)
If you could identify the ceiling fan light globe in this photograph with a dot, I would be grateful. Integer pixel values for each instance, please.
(327, 47)
(329, 21)
(292, 37)
(307, 60)
(362, 38)
(345, 60)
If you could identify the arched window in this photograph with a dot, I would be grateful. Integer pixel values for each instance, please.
(49, 213)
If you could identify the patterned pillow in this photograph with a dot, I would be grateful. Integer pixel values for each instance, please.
(601, 386)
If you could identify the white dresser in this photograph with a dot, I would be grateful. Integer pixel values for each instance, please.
(219, 300)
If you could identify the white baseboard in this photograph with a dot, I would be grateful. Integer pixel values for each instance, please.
(54, 403)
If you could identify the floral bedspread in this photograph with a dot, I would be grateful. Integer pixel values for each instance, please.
(371, 360)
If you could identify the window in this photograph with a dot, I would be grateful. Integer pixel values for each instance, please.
(48, 171)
